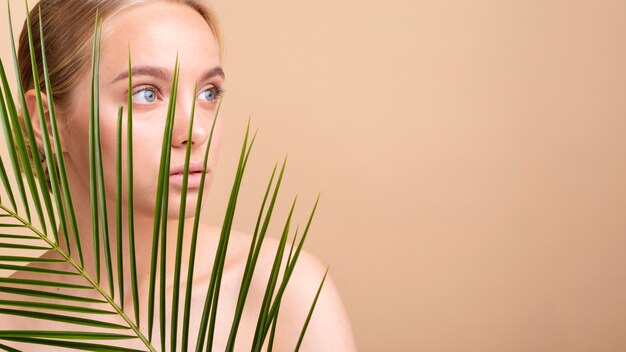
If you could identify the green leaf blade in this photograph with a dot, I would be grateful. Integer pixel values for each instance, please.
(118, 207)
(130, 186)
(194, 238)
(308, 318)
(45, 191)
(54, 306)
(162, 186)
(63, 334)
(81, 346)
(181, 227)
(212, 297)
(93, 190)
(62, 319)
(60, 164)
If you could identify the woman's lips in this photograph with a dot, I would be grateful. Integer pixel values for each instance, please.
(193, 180)
(195, 174)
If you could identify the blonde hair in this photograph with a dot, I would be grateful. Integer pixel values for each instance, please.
(68, 33)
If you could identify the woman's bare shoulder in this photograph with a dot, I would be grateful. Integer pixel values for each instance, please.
(239, 249)
(329, 328)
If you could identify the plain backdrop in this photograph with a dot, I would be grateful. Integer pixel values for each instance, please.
(471, 157)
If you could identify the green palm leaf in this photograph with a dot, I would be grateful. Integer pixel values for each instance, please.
(87, 302)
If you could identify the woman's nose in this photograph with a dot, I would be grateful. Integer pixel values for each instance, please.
(182, 120)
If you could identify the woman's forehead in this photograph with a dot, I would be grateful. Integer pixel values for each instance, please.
(156, 34)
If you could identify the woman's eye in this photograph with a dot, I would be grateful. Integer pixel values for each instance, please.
(209, 94)
(145, 96)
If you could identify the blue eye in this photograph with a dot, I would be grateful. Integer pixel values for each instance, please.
(145, 96)
(209, 94)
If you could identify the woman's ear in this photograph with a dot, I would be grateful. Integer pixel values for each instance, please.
(33, 112)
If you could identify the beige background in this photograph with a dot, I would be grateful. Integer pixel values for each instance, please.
(471, 157)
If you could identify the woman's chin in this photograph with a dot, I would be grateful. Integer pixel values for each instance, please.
(173, 210)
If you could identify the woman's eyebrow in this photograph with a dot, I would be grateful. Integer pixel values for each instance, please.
(157, 72)
(216, 71)
(164, 74)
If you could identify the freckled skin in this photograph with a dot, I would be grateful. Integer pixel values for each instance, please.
(156, 32)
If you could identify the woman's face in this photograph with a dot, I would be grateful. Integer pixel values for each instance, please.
(156, 33)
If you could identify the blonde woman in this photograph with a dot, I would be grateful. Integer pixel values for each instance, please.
(156, 31)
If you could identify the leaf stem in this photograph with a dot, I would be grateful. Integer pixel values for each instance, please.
(84, 274)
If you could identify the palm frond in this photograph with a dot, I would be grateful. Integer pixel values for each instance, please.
(94, 311)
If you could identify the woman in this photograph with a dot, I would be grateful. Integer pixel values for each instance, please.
(156, 32)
